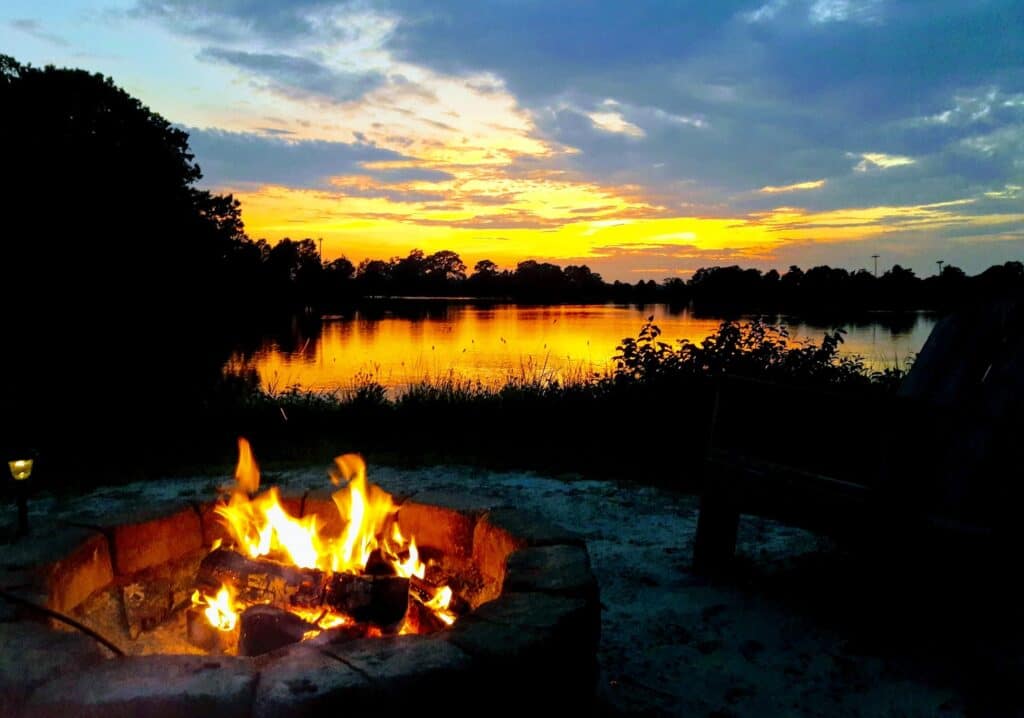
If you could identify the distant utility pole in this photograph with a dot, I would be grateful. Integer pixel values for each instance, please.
(321, 240)
(875, 257)
(940, 262)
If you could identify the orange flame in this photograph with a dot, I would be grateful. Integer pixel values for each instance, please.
(260, 525)
(439, 605)
(247, 473)
(220, 609)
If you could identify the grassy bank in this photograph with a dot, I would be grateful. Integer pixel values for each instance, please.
(648, 419)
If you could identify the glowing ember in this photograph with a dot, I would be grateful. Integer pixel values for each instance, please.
(220, 609)
(439, 605)
(260, 526)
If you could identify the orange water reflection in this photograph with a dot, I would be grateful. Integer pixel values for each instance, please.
(490, 344)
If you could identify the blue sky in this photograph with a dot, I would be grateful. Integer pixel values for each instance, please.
(643, 138)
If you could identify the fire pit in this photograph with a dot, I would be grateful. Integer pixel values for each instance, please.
(266, 604)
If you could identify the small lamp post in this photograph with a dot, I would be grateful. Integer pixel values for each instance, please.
(21, 470)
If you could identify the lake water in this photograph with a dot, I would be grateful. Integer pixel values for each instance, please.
(399, 343)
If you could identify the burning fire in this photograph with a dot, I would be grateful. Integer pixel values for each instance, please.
(220, 609)
(260, 526)
(439, 605)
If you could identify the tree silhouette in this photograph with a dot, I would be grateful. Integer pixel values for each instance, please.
(109, 246)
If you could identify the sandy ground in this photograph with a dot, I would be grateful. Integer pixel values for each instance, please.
(672, 643)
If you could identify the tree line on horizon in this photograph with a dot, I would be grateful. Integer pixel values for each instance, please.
(293, 274)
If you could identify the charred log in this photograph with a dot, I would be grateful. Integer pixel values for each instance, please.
(423, 591)
(261, 580)
(267, 628)
(420, 619)
(374, 599)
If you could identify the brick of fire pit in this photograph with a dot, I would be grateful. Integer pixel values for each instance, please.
(438, 527)
(61, 568)
(156, 538)
(501, 531)
(150, 686)
(34, 653)
(551, 569)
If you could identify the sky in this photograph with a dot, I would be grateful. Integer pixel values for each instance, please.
(645, 138)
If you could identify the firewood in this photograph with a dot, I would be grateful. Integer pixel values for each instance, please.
(420, 619)
(267, 628)
(261, 580)
(424, 591)
(375, 599)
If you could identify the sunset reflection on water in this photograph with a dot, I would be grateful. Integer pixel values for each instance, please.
(398, 345)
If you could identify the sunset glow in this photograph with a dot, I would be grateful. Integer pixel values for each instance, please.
(381, 128)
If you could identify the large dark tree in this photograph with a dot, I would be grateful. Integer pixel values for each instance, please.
(114, 262)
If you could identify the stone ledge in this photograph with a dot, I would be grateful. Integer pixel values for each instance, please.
(404, 669)
(33, 653)
(551, 569)
(303, 680)
(150, 686)
(501, 531)
(64, 566)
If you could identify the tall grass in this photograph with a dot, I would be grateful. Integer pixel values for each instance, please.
(646, 418)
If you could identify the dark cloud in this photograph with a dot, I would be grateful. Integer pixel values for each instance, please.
(33, 28)
(238, 19)
(230, 159)
(298, 76)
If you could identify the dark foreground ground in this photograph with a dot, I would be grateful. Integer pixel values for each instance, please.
(800, 628)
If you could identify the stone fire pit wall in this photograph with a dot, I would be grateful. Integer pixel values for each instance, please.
(531, 644)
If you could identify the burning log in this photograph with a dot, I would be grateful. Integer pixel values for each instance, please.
(424, 591)
(374, 599)
(267, 628)
(420, 619)
(262, 581)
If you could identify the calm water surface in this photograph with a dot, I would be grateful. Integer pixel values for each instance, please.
(400, 344)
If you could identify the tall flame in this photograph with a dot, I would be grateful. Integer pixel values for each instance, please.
(247, 473)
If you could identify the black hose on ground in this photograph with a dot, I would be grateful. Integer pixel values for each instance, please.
(56, 615)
